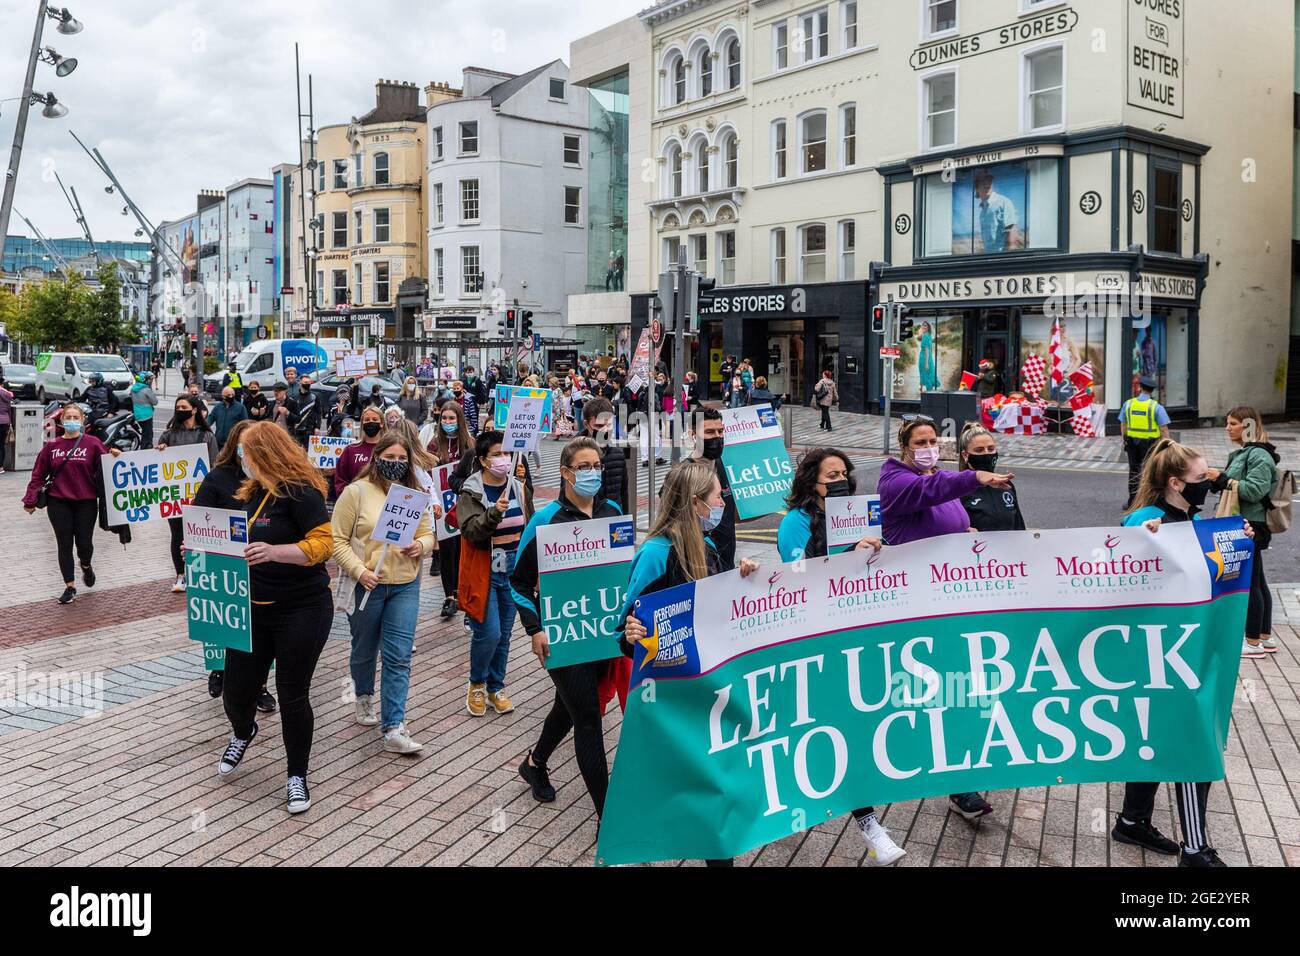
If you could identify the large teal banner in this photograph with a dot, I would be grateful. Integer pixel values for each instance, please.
(765, 705)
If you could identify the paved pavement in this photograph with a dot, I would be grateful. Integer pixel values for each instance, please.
(119, 768)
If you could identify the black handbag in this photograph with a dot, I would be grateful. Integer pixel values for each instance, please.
(43, 496)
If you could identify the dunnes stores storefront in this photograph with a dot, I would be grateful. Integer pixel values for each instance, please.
(790, 333)
(990, 247)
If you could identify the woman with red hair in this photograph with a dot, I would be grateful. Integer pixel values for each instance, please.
(289, 540)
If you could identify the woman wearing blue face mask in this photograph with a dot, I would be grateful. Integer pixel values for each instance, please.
(577, 698)
(449, 445)
(677, 548)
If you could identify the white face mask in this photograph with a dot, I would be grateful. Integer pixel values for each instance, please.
(926, 458)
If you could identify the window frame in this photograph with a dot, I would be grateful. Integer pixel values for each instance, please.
(779, 264)
(466, 288)
(1155, 166)
(437, 145)
(357, 272)
(780, 131)
(336, 175)
(926, 7)
(550, 89)
(702, 168)
(335, 288)
(694, 244)
(802, 143)
(730, 160)
(780, 50)
(802, 233)
(476, 198)
(845, 25)
(811, 38)
(387, 170)
(358, 225)
(439, 272)
(334, 229)
(925, 81)
(577, 150)
(728, 65)
(1026, 93)
(461, 138)
(845, 136)
(575, 205)
(847, 253)
(387, 225)
(705, 71)
(387, 282)
(438, 211)
(720, 242)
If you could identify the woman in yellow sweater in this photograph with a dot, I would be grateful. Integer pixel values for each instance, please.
(387, 621)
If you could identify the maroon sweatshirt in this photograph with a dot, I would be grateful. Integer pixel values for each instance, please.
(74, 478)
(351, 463)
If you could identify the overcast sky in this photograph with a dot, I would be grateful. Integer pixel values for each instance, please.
(181, 95)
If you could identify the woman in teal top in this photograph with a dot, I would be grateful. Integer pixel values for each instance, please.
(926, 366)
(1173, 486)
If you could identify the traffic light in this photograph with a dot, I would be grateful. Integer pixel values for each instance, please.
(698, 298)
(507, 323)
(878, 318)
(525, 324)
(904, 323)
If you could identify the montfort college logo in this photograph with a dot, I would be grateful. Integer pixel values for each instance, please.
(978, 548)
(772, 579)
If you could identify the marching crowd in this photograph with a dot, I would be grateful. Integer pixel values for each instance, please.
(300, 518)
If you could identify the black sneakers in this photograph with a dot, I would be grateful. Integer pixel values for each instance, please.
(299, 797)
(1204, 857)
(537, 778)
(68, 596)
(216, 681)
(970, 805)
(449, 607)
(265, 702)
(1143, 834)
(235, 751)
(88, 575)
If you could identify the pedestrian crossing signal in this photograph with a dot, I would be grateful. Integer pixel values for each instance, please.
(878, 320)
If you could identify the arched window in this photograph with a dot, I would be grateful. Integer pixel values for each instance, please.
(676, 80)
(706, 72)
(812, 252)
(701, 149)
(674, 175)
(381, 169)
(732, 53)
(730, 161)
(812, 142)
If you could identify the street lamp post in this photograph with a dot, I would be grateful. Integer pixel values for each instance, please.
(67, 26)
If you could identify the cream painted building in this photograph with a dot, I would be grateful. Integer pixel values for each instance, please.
(1126, 163)
(367, 261)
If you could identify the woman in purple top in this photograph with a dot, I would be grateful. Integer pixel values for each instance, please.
(919, 500)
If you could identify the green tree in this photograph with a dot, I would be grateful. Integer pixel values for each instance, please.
(10, 312)
(52, 313)
(104, 325)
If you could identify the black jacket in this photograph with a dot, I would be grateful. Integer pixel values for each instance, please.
(614, 486)
(523, 579)
(102, 401)
(991, 509)
(219, 487)
(724, 535)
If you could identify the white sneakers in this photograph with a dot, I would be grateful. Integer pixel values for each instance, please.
(179, 586)
(398, 741)
(1253, 652)
(881, 849)
(366, 716)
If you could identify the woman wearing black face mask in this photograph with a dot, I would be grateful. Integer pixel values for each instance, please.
(828, 473)
(989, 509)
(189, 426)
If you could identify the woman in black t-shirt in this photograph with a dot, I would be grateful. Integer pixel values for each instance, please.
(989, 509)
(289, 540)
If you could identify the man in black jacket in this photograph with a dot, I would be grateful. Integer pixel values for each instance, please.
(709, 447)
(598, 423)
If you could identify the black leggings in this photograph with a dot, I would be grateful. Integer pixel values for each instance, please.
(293, 636)
(577, 707)
(1259, 607)
(826, 417)
(449, 565)
(177, 527)
(73, 520)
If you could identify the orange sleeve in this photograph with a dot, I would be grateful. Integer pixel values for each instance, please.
(319, 544)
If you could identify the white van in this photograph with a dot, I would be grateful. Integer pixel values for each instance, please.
(265, 362)
(67, 374)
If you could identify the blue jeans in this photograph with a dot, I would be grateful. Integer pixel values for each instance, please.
(388, 621)
(489, 647)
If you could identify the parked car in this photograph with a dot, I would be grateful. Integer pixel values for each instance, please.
(22, 380)
(325, 389)
(67, 374)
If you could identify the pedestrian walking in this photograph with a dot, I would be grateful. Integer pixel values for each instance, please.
(226, 416)
(1142, 421)
(220, 489)
(826, 394)
(449, 446)
(385, 626)
(677, 548)
(467, 405)
(289, 541)
(188, 426)
(1173, 485)
(1251, 472)
(356, 456)
(64, 482)
(987, 509)
(143, 402)
(760, 394)
(920, 500)
(828, 473)
(492, 510)
(577, 704)
(6, 418)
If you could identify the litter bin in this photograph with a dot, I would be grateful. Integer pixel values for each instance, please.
(28, 429)
(957, 407)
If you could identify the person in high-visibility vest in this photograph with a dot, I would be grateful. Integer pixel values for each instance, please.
(232, 379)
(1142, 421)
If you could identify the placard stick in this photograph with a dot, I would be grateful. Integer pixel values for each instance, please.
(379, 567)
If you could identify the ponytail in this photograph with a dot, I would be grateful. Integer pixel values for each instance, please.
(1167, 459)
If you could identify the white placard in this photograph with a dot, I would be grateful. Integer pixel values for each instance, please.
(750, 423)
(851, 518)
(323, 451)
(585, 544)
(215, 530)
(403, 509)
(149, 484)
(523, 424)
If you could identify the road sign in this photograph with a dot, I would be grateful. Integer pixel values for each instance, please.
(537, 341)
(656, 331)
(892, 353)
(315, 327)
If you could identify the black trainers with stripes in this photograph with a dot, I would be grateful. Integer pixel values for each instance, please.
(235, 751)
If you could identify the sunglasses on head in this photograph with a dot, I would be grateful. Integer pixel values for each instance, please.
(923, 419)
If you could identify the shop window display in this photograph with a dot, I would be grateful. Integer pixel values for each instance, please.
(1083, 340)
(931, 360)
(1009, 207)
(1160, 350)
